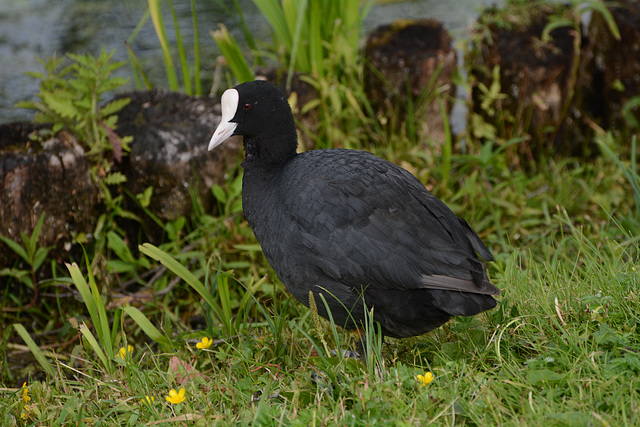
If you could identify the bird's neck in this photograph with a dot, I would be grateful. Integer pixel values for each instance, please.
(269, 155)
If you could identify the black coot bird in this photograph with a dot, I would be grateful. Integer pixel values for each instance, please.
(351, 226)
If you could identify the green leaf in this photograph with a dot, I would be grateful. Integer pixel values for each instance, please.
(56, 101)
(39, 257)
(273, 12)
(555, 24)
(83, 288)
(225, 302)
(186, 73)
(28, 105)
(147, 327)
(115, 178)
(248, 247)
(601, 7)
(93, 343)
(158, 25)
(37, 353)
(219, 194)
(196, 50)
(15, 247)
(114, 106)
(544, 376)
(95, 305)
(23, 276)
(33, 240)
(233, 54)
(136, 66)
(117, 245)
(178, 269)
(118, 266)
(144, 198)
(314, 103)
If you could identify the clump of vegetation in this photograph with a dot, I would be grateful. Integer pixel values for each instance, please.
(72, 98)
(319, 41)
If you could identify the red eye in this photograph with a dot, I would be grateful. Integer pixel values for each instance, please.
(247, 106)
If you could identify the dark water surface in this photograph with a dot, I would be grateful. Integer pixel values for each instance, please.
(32, 29)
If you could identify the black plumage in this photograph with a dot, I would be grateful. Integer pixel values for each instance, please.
(350, 225)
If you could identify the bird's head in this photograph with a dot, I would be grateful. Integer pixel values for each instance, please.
(257, 110)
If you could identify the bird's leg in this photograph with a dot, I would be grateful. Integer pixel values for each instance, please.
(361, 343)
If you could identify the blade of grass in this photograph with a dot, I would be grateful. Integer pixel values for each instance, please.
(158, 25)
(222, 282)
(316, 41)
(272, 11)
(296, 14)
(33, 239)
(231, 51)
(178, 269)
(93, 343)
(186, 73)
(15, 247)
(101, 324)
(136, 67)
(629, 172)
(147, 327)
(448, 141)
(37, 353)
(196, 50)
(93, 301)
(85, 292)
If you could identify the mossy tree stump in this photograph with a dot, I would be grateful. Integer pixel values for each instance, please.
(616, 69)
(43, 175)
(171, 133)
(524, 79)
(409, 76)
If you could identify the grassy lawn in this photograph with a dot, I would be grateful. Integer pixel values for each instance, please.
(561, 348)
(115, 331)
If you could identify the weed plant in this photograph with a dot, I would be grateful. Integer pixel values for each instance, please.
(71, 97)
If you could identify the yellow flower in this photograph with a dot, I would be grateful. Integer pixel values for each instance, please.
(124, 352)
(205, 343)
(425, 379)
(25, 412)
(25, 393)
(176, 397)
(148, 400)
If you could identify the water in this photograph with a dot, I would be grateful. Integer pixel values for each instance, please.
(32, 29)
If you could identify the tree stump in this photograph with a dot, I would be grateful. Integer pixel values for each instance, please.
(524, 85)
(171, 133)
(616, 69)
(49, 176)
(410, 71)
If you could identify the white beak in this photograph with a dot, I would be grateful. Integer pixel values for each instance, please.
(229, 103)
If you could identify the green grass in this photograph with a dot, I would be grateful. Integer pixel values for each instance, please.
(561, 348)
